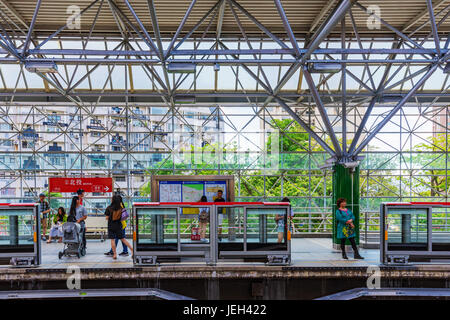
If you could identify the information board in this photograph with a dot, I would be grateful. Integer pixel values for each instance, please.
(190, 191)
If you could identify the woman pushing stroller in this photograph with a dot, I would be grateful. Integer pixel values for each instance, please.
(74, 230)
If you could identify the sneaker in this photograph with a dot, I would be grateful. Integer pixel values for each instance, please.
(44, 238)
(109, 253)
(124, 254)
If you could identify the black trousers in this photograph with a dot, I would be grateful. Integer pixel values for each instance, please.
(83, 230)
(352, 242)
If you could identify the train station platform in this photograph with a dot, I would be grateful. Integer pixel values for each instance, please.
(306, 252)
(316, 270)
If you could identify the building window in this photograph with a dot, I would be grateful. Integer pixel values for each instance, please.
(119, 178)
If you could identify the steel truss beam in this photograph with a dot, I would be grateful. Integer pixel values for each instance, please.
(157, 57)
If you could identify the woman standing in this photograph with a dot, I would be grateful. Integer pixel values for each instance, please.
(281, 219)
(346, 227)
(56, 230)
(203, 219)
(114, 216)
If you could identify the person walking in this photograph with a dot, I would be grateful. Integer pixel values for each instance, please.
(346, 228)
(44, 210)
(114, 216)
(124, 226)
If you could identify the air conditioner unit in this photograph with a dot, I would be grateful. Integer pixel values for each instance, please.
(185, 99)
(390, 98)
(322, 67)
(177, 67)
(42, 67)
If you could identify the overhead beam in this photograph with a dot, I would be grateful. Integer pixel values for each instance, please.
(31, 28)
(220, 20)
(324, 30)
(155, 25)
(322, 13)
(390, 27)
(305, 126)
(180, 27)
(394, 110)
(434, 27)
(323, 112)
(287, 27)
(259, 24)
(422, 15)
(14, 12)
(64, 26)
(141, 25)
(195, 27)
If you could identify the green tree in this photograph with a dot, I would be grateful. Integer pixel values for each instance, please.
(432, 157)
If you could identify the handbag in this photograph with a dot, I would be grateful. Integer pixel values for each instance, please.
(347, 231)
(125, 214)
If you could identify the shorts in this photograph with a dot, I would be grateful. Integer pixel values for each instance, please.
(44, 215)
(219, 219)
(115, 231)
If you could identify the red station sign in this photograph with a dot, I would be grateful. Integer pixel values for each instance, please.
(87, 184)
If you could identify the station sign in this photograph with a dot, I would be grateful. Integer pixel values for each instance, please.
(87, 184)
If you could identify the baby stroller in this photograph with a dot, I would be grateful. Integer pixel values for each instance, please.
(73, 241)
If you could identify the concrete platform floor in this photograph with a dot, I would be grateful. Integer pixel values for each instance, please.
(306, 252)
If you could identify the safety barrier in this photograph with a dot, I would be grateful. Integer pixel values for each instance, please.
(233, 231)
(414, 232)
(19, 234)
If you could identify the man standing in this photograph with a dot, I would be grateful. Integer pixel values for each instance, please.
(44, 210)
(220, 212)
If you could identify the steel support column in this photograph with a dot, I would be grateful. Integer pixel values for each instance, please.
(345, 185)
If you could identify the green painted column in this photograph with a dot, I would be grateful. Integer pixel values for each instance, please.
(346, 185)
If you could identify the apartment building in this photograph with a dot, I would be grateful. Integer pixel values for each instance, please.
(42, 141)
